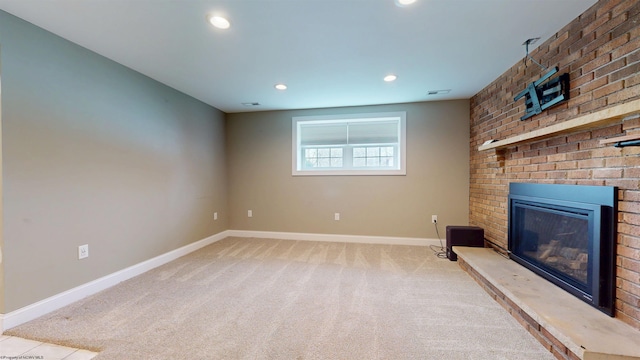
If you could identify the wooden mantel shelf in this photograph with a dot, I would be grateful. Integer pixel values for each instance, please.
(596, 119)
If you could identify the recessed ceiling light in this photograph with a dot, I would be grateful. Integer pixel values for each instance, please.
(280, 86)
(390, 78)
(404, 2)
(218, 21)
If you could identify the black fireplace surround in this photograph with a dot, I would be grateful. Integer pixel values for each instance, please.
(566, 234)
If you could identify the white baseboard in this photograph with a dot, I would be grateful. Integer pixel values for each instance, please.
(35, 310)
(362, 239)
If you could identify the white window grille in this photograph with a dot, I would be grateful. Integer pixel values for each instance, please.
(357, 144)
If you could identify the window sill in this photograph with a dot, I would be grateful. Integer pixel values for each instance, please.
(349, 173)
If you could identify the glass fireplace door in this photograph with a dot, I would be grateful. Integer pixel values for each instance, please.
(555, 240)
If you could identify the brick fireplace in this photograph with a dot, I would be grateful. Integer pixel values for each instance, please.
(601, 52)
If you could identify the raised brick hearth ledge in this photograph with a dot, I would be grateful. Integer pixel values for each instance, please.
(568, 327)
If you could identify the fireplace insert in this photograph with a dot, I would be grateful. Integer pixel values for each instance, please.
(566, 234)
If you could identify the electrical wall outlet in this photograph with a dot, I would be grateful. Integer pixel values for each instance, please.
(434, 218)
(336, 216)
(249, 213)
(83, 251)
(215, 216)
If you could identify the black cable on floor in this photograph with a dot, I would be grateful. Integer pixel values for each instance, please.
(439, 252)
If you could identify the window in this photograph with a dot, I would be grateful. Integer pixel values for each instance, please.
(358, 144)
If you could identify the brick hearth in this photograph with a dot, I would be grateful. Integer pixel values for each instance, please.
(566, 326)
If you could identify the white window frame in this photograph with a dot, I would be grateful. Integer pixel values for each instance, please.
(401, 169)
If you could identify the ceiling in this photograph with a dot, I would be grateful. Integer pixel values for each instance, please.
(329, 53)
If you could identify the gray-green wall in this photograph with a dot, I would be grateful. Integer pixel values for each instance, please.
(95, 153)
(437, 180)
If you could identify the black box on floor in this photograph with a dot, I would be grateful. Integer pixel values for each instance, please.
(463, 236)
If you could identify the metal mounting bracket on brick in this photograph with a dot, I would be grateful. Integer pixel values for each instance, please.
(544, 93)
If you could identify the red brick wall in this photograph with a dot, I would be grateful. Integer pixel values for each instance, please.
(601, 52)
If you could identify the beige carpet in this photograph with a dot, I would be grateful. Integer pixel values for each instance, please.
(275, 299)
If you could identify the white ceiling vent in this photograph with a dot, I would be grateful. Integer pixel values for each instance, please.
(250, 104)
(438, 92)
